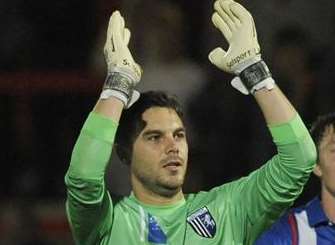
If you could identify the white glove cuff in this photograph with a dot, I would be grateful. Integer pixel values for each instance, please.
(268, 83)
(107, 93)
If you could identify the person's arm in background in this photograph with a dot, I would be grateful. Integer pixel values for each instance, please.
(89, 206)
(266, 193)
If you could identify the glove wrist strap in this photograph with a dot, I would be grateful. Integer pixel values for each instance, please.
(254, 77)
(254, 74)
(120, 85)
(119, 82)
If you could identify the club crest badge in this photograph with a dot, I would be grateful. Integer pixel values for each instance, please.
(202, 223)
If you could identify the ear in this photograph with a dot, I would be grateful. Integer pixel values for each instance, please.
(317, 170)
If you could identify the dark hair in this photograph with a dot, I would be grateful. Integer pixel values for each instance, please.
(319, 126)
(131, 122)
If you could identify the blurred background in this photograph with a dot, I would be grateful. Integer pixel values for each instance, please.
(52, 69)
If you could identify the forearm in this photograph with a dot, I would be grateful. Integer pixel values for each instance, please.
(110, 108)
(288, 171)
(270, 190)
(282, 178)
(275, 106)
(92, 150)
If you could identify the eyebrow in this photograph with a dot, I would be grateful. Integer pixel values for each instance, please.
(152, 131)
(180, 129)
(157, 131)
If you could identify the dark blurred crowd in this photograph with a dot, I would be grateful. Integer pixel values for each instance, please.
(52, 68)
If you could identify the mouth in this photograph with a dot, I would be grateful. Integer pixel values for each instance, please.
(172, 164)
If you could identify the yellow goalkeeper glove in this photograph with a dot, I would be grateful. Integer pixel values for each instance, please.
(237, 26)
(123, 73)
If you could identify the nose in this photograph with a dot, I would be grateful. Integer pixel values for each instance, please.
(171, 145)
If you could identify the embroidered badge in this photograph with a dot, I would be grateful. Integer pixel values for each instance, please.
(202, 223)
(155, 233)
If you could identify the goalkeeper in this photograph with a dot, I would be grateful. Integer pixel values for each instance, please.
(149, 135)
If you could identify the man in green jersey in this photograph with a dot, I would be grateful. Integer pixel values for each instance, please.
(151, 139)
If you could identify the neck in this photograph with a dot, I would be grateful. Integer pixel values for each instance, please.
(147, 196)
(328, 203)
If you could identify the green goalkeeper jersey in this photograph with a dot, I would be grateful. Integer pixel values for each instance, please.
(232, 214)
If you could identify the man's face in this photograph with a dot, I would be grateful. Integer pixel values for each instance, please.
(160, 152)
(325, 168)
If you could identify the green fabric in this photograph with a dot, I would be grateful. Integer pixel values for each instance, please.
(241, 209)
(288, 132)
(165, 210)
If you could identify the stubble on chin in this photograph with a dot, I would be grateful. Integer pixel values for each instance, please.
(169, 185)
(166, 186)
